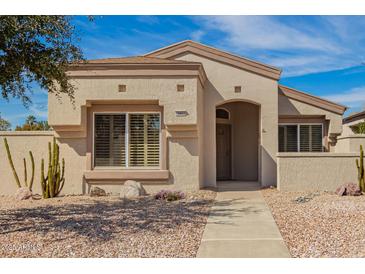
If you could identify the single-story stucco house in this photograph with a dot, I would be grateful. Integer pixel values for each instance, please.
(185, 117)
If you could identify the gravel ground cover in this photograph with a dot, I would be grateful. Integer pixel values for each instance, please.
(81, 226)
(319, 224)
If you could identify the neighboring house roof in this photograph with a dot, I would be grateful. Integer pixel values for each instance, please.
(312, 100)
(354, 117)
(178, 49)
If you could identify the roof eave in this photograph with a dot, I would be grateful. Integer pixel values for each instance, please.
(313, 100)
(222, 56)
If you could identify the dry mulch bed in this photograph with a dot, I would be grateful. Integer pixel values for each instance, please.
(324, 225)
(81, 226)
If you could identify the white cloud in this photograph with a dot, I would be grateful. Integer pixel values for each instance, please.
(299, 46)
(39, 111)
(262, 32)
(197, 35)
(353, 98)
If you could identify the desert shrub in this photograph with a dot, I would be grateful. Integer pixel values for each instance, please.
(169, 195)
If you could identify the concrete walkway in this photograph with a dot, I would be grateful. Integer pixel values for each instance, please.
(240, 225)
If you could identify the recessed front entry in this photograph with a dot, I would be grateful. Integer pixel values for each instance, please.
(237, 141)
(224, 152)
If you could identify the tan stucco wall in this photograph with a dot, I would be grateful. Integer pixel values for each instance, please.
(73, 151)
(182, 151)
(291, 107)
(315, 171)
(257, 89)
(63, 112)
(350, 143)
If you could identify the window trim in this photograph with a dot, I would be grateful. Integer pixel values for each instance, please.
(298, 134)
(127, 167)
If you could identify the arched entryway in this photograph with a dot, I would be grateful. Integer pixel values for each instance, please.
(237, 141)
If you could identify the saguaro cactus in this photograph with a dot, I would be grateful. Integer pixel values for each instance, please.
(53, 183)
(360, 170)
(17, 181)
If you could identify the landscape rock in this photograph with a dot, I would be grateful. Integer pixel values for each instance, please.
(353, 189)
(97, 192)
(131, 189)
(23, 193)
(136, 185)
(340, 191)
(129, 192)
(349, 189)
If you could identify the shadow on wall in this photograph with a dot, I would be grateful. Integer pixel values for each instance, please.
(189, 144)
(77, 145)
(269, 168)
(285, 106)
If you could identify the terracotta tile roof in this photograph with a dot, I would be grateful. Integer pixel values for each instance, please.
(137, 60)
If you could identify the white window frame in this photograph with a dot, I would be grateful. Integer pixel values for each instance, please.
(298, 133)
(126, 140)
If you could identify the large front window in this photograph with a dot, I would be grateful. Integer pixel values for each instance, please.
(300, 138)
(127, 140)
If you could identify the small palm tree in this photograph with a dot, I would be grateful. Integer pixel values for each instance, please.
(31, 120)
(359, 128)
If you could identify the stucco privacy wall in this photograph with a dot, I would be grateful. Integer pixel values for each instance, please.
(21, 142)
(315, 171)
(256, 89)
(350, 143)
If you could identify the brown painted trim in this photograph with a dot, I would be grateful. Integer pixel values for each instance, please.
(354, 117)
(199, 73)
(178, 49)
(135, 66)
(126, 175)
(181, 127)
(27, 133)
(302, 119)
(312, 100)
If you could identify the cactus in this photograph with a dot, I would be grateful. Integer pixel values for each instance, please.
(53, 183)
(17, 181)
(11, 163)
(360, 170)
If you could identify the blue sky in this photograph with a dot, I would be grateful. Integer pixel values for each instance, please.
(323, 55)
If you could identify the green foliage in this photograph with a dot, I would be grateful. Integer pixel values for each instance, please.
(360, 170)
(359, 128)
(16, 177)
(36, 49)
(31, 123)
(4, 124)
(53, 183)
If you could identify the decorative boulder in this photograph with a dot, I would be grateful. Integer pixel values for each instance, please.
(97, 192)
(353, 189)
(349, 189)
(136, 185)
(23, 193)
(131, 189)
(340, 191)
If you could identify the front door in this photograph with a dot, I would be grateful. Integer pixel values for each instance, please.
(223, 139)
